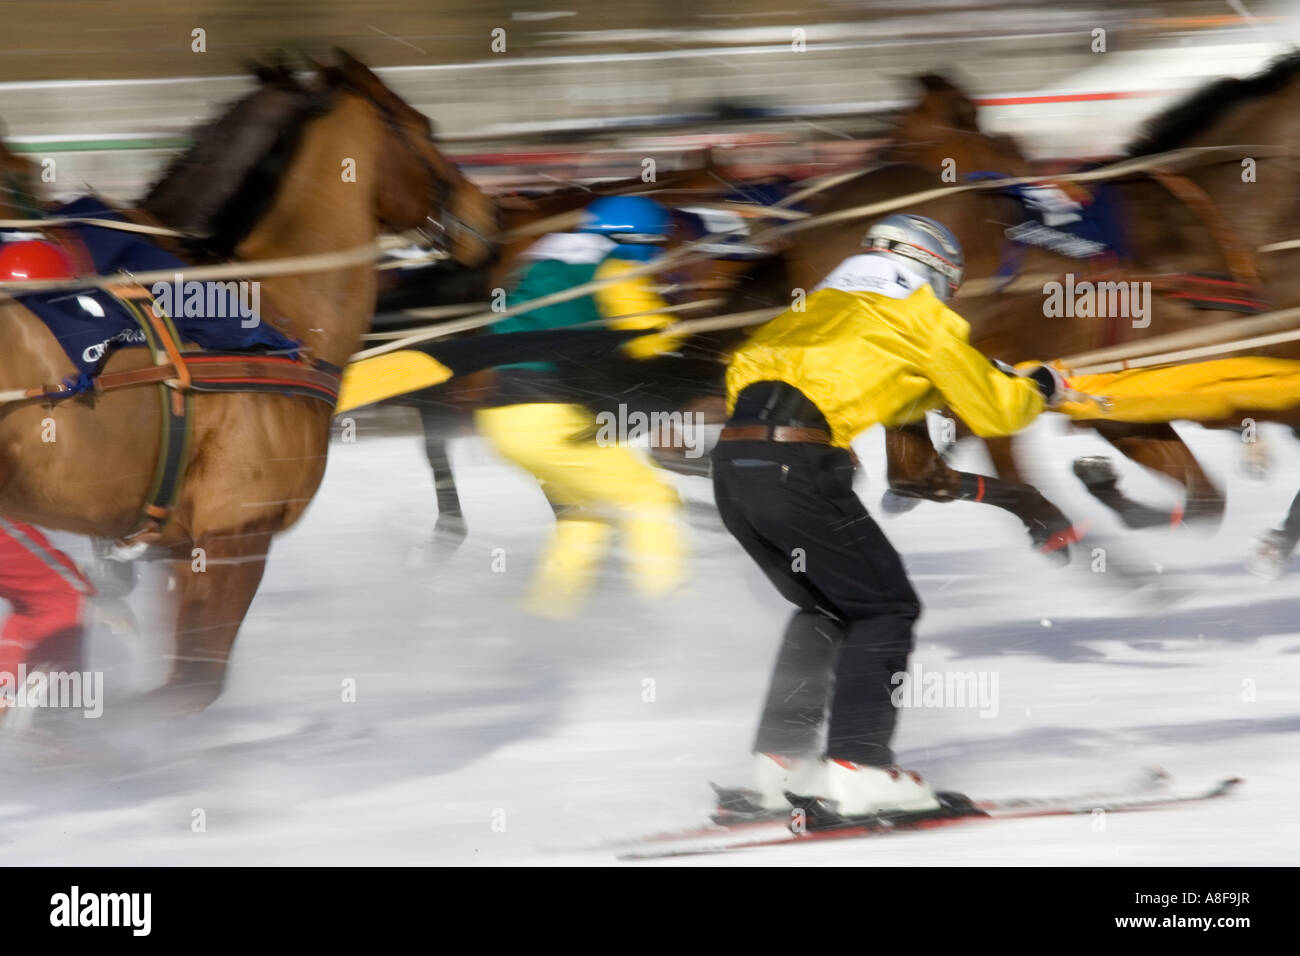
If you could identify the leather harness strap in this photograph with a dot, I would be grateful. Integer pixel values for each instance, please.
(173, 446)
(1238, 256)
(165, 335)
(214, 372)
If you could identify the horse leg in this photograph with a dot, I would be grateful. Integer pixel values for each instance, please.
(449, 530)
(916, 470)
(1157, 447)
(214, 590)
(1002, 452)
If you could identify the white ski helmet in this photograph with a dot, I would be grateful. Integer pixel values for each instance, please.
(923, 246)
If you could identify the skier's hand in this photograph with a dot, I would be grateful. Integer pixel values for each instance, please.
(1050, 382)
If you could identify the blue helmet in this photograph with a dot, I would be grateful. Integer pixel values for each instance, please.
(636, 223)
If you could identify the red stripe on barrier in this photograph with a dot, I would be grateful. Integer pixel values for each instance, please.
(1067, 98)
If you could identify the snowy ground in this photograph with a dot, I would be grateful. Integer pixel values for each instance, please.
(481, 736)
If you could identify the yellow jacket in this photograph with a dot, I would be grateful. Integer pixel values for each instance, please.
(865, 358)
(631, 298)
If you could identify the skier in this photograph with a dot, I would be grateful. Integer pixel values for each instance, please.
(875, 345)
(536, 420)
(48, 595)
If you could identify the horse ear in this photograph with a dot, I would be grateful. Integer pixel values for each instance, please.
(277, 73)
(957, 108)
(312, 64)
(260, 70)
(353, 70)
(347, 62)
(936, 83)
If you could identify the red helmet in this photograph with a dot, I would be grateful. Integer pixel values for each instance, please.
(33, 259)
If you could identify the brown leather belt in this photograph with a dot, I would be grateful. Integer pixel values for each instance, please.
(792, 433)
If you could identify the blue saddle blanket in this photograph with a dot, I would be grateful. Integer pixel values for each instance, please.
(90, 323)
(1068, 226)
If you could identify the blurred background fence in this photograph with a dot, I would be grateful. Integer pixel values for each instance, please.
(581, 90)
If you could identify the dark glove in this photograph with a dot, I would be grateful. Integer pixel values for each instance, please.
(1050, 382)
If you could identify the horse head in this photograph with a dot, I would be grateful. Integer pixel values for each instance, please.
(944, 127)
(420, 188)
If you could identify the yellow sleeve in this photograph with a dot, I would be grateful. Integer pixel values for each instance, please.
(632, 298)
(991, 402)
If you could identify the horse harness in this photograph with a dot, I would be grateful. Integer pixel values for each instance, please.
(1239, 289)
(179, 374)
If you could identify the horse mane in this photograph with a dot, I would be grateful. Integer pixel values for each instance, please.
(219, 188)
(1191, 115)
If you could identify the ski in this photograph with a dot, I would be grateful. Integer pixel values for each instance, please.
(736, 812)
(810, 820)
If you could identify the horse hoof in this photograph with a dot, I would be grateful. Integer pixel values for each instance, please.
(893, 503)
(112, 579)
(1054, 543)
(170, 702)
(1095, 470)
(449, 533)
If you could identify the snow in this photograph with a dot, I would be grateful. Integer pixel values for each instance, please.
(480, 735)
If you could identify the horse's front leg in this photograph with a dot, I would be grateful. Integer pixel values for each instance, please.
(1157, 447)
(918, 471)
(215, 585)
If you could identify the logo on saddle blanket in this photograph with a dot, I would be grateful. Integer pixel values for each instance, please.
(93, 353)
(1069, 223)
(181, 299)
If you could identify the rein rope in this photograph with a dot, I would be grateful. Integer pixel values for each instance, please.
(795, 222)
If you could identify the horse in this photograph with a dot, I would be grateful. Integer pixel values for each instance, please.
(254, 459)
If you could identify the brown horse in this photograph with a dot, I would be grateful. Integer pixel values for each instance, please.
(254, 460)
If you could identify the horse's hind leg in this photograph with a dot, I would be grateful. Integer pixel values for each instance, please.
(215, 587)
(449, 529)
(1157, 447)
(916, 470)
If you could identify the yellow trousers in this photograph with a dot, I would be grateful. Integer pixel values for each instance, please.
(594, 488)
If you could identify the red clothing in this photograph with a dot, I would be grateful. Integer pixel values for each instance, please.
(47, 592)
